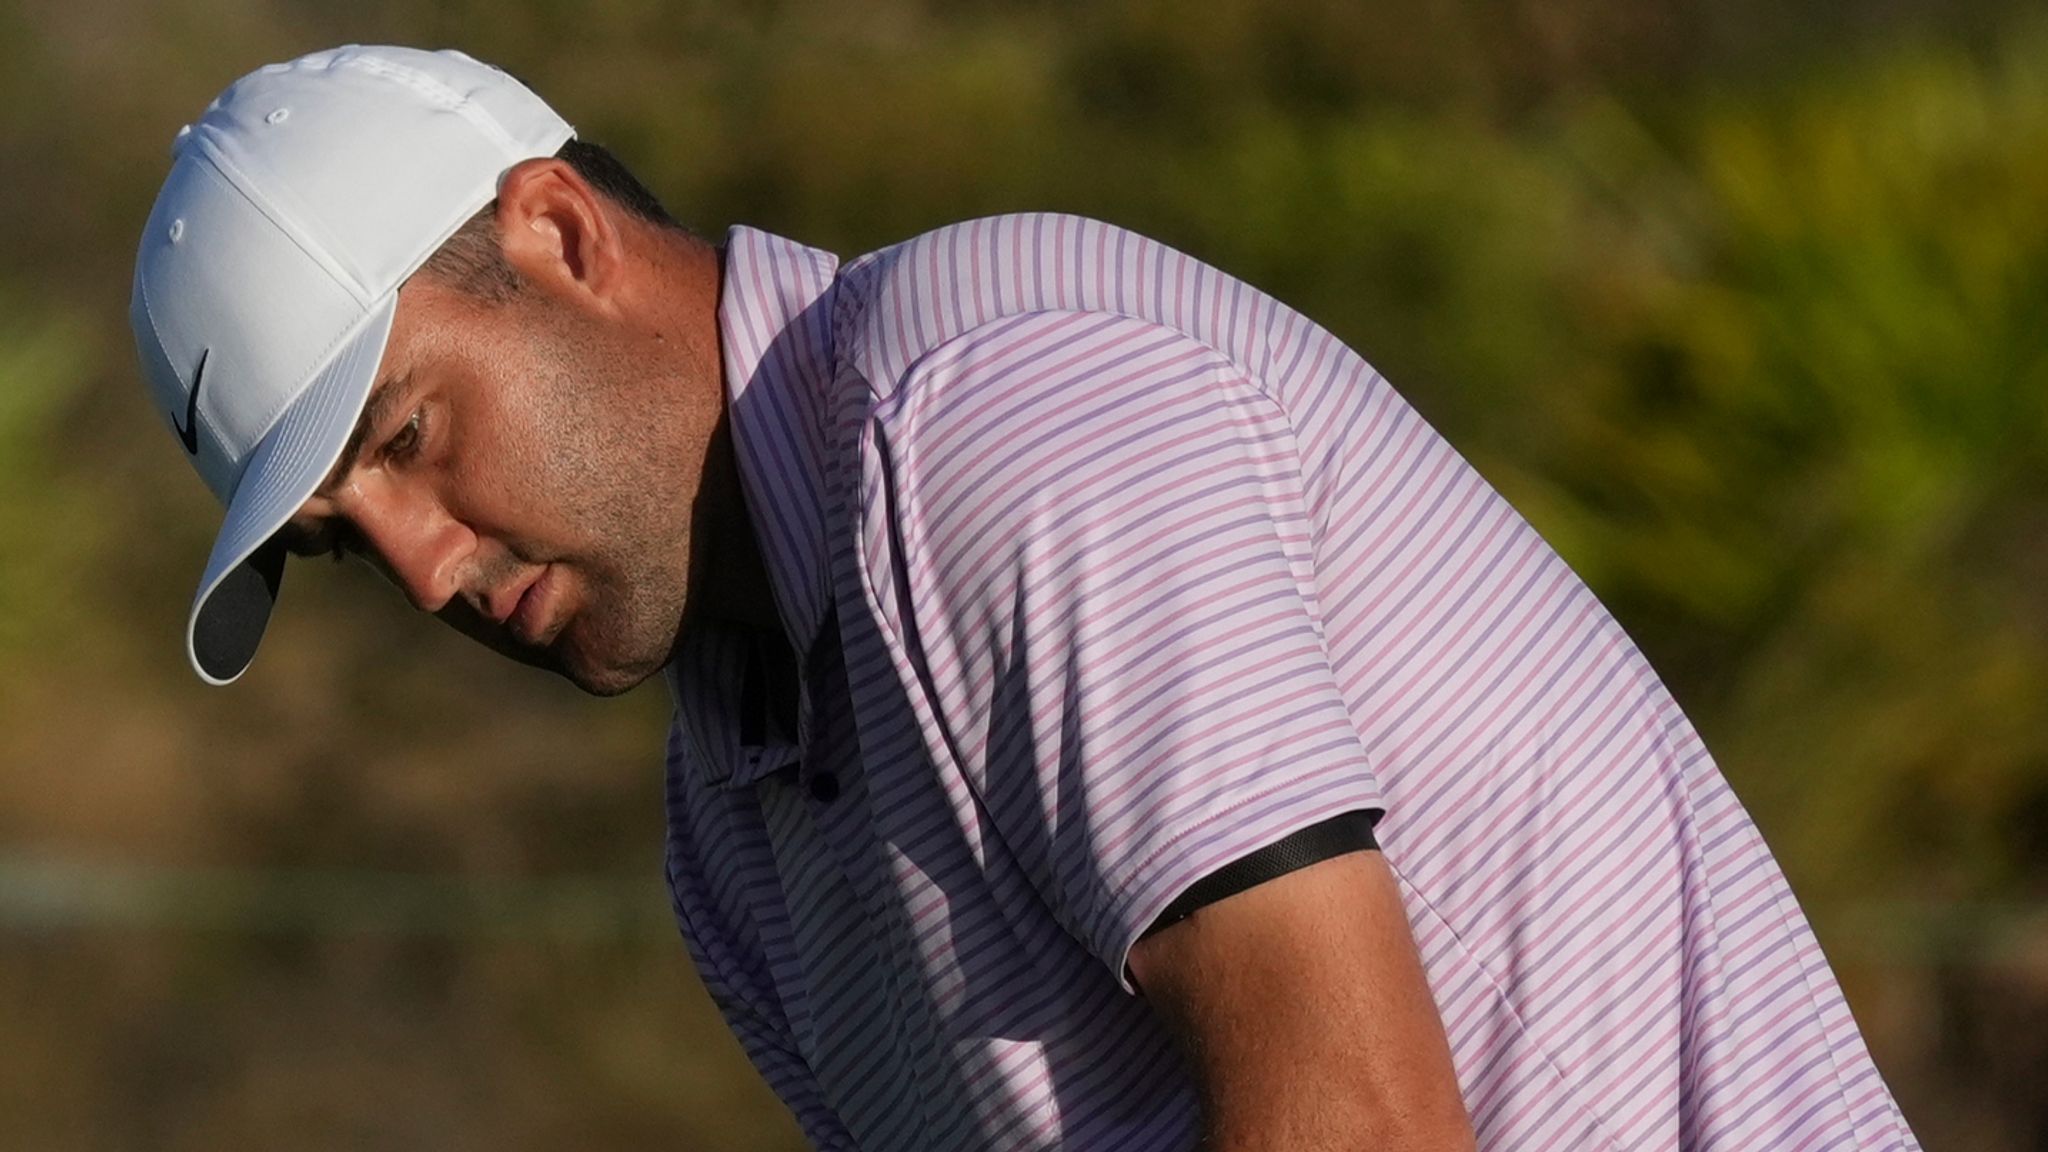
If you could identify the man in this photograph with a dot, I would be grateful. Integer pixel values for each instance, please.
(1106, 716)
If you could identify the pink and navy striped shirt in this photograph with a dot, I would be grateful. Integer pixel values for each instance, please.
(1100, 570)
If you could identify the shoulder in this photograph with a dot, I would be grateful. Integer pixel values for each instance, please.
(1003, 468)
(915, 297)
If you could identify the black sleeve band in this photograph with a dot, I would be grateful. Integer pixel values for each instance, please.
(1347, 832)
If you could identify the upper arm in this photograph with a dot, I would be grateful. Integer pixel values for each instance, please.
(1091, 538)
(1091, 531)
(1303, 1007)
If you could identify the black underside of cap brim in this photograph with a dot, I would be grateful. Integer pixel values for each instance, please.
(231, 621)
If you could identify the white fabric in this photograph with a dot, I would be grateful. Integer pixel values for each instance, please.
(294, 209)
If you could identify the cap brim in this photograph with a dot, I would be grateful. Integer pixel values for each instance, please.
(242, 575)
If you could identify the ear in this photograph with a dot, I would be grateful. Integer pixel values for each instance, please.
(559, 233)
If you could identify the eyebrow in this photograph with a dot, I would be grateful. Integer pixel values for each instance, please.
(383, 395)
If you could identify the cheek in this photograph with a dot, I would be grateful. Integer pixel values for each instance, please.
(571, 449)
(498, 468)
(534, 468)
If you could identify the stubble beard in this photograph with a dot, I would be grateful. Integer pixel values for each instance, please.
(622, 471)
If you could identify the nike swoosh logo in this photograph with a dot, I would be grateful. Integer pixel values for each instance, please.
(188, 432)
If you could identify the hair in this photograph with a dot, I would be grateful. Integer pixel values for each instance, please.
(472, 261)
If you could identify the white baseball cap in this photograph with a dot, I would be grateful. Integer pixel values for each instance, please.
(269, 273)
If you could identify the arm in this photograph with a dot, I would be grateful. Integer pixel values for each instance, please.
(1098, 532)
(1303, 1009)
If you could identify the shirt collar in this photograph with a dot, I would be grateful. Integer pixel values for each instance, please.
(775, 339)
(707, 681)
(775, 335)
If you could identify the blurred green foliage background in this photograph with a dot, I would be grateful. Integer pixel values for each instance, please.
(1741, 302)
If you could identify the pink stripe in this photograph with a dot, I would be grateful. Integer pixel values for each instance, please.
(1283, 596)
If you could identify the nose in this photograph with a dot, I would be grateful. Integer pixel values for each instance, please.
(413, 538)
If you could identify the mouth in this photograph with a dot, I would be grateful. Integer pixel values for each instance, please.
(531, 616)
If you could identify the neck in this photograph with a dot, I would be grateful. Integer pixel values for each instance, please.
(674, 300)
(728, 579)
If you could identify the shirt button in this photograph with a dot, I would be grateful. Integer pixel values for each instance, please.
(824, 787)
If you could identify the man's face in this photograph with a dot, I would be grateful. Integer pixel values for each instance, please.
(524, 469)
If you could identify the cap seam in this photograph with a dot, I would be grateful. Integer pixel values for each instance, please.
(208, 588)
(320, 363)
(275, 215)
(238, 179)
(451, 99)
(457, 219)
(504, 124)
(199, 415)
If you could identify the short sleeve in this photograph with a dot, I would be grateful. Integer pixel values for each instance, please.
(1088, 537)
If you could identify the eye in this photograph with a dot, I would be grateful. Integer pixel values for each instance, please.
(405, 442)
(299, 542)
(331, 540)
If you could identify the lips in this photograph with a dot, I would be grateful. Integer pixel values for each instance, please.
(531, 618)
(527, 611)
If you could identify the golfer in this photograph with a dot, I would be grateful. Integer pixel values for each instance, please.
(1106, 716)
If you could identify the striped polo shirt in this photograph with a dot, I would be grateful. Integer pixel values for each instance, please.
(1099, 570)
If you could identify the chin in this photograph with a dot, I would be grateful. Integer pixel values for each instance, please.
(603, 673)
(609, 681)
